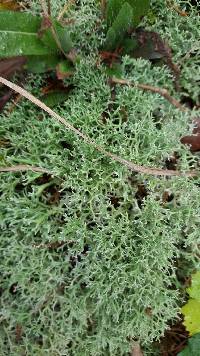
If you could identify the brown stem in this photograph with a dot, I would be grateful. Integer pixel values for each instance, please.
(49, 7)
(23, 167)
(163, 92)
(136, 350)
(44, 7)
(65, 9)
(52, 245)
(88, 140)
(176, 8)
(103, 8)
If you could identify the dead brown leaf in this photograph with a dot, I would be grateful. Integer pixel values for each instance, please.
(149, 311)
(9, 66)
(9, 5)
(52, 85)
(193, 140)
(5, 98)
(4, 142)
(174, 341)
(141, 194)
(152, 46)
(18, 333)
(110, 57)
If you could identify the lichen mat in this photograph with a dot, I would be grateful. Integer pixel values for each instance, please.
(132, 166)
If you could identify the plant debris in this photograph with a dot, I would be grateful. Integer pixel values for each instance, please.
(130, 165)
(193, 141)
(9, 66)
(151, 46)
(136, 351)
(174, 340)
(9, 5)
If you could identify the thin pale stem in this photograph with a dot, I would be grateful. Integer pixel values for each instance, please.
(176, 8)
(44, 7)
(22, 168)
(65, 9)
(130, 165)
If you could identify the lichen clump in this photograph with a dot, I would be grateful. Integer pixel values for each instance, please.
(90, 256)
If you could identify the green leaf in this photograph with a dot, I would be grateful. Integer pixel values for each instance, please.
(146, 51)
(140, 8)
(55, 98)
(119, 27)
(18, 35)
(193, 347)
(41, 64)
(63, 37)
(191, 312)
(194, 290)
(112, 10)
(19, 21)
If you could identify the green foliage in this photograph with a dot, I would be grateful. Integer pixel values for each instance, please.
(119, 27)
(194, 290)
(191, 310)
(193, 347)
(14, 21)
(55, 98)
(19, 36)
(121, 15)
(139, 9)
(62, 35)
(42, 64)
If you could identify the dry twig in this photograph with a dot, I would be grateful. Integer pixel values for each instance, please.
(103, 8)
(49, 7)
(161, 91)
(65, 9)
(176, 8)
(44, 7)
(88, 140)
(23, 167)
(136, 350)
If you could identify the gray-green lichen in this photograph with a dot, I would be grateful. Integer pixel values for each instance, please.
(118, 255)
